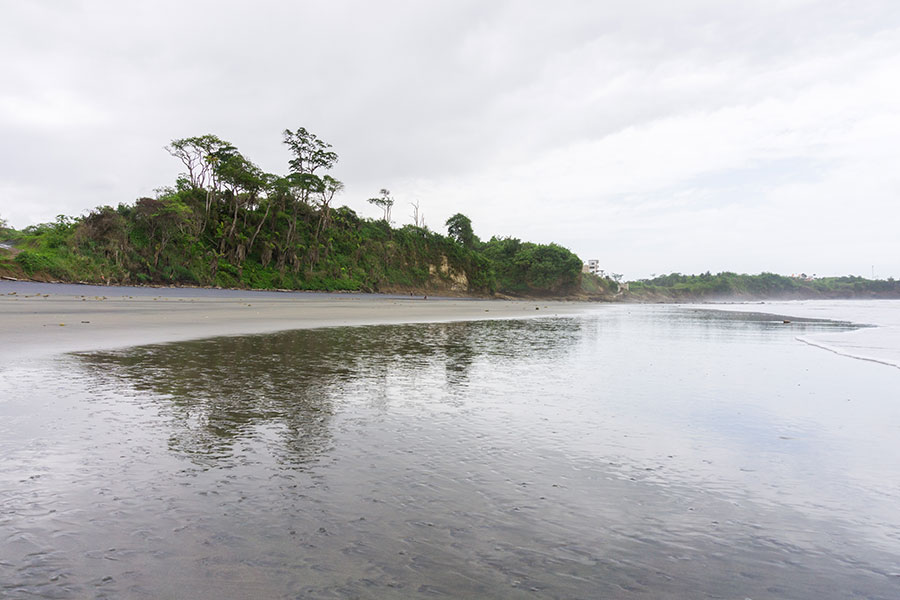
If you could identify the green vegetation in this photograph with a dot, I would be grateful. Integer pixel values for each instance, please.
(526, 268)
(765, 285)
(594, 287)
(227, 223)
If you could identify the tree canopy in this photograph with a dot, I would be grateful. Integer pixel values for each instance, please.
(385, 202)
(459, 228)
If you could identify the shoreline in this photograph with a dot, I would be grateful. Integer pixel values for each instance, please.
(876, 322)
(43, 319)
(28, 285)
(42, 323)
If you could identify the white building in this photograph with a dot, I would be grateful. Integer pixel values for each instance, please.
(593, 266)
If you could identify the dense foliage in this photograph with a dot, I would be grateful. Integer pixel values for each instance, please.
(523, 267)
(765, 285)
(227, 223)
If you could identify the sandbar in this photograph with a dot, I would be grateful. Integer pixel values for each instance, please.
(38, 321)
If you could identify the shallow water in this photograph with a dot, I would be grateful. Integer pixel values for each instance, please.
(880, 342)
(633, 452)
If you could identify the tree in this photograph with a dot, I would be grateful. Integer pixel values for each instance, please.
(418, 217)
(194, 153)
(385, 202)
(459, 227)
(105, 229)
(200, 156)
(164, 219)
(330, 188)
(310, 155)
(244, 181)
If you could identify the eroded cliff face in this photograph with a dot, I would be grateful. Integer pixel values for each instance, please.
(445, 278)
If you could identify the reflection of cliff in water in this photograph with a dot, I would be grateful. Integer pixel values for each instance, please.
(283, 389)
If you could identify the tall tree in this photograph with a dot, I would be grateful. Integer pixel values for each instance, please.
(243, 181)
(384, 202)
(459, 227)
(418, 217)
(311, 154)
(199, 155)
(330, 188)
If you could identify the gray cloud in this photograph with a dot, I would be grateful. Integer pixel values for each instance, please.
(655, 136)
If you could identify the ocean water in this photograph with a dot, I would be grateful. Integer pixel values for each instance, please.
(629, 452)
(877, 341)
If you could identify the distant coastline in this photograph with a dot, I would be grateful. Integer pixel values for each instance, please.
(734, 287)
(723, 287)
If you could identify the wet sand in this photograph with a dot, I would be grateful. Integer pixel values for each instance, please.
(40, 323)
(635, 452)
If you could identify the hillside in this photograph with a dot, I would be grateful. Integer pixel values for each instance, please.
(227, 223)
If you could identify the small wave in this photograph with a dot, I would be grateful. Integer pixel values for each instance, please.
(848, 354)
(877, 341)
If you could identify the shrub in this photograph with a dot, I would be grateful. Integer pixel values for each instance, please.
(34, 262)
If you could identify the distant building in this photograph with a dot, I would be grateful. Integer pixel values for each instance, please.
(592, 266)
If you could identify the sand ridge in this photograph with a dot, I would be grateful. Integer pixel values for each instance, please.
(41, 323)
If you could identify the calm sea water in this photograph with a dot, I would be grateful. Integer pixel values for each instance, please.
(879, 343)
(632, 452)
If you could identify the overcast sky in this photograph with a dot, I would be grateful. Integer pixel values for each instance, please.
(655, 136)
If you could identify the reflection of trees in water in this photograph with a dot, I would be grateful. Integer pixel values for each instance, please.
(456, 341)
(223, 390)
